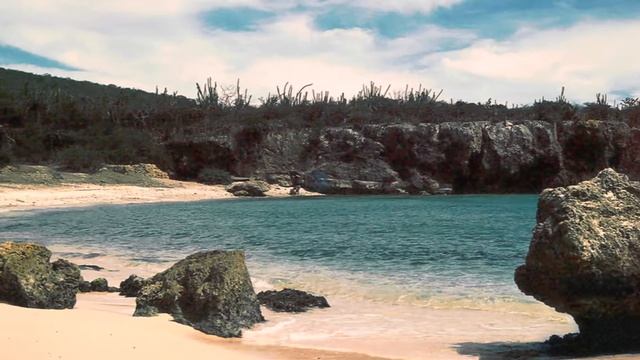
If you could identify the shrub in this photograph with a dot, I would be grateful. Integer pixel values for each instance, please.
(214, 176)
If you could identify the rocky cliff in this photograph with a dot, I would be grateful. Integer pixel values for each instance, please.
(469, 157)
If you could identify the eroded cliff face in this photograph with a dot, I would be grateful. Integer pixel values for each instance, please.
(470, 157)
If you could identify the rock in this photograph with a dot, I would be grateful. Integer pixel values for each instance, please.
(283, 180)
(84, 286)
(249, 188)
(584, 259)
(367, 187)
(131, 286)
(28, 279)
(90, 267)
(100, 285)
(210, 291)
(290, 300)
(471, 154)
(113, 289)
(149, 170)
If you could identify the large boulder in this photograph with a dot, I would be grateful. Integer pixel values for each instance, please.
(584, 259)
(291, 300)
(209, 291)
(249, 188)
(28, 279)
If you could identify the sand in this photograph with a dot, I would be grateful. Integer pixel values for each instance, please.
(36, 197)
(101, 328)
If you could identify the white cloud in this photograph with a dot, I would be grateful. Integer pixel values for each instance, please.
(587, 58)
(163, 43)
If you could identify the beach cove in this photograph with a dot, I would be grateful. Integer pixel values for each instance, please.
(408, 315)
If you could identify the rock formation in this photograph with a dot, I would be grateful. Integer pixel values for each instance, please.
(290, 300)
(149, 170)
(584, 259)
(249, 188)
(210, 291)
(28, 279)
(470, 157)
(131, 286)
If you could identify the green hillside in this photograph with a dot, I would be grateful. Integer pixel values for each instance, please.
(15, 83)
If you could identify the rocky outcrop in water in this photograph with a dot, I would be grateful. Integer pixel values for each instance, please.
(28, 279)
(210, 291)
(584, 260)
(290, 300)
(469, 157)
(131, 286)
(249, 188)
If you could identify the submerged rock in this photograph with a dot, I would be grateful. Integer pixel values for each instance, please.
(584, 260)
(28, 279)
(249, 188)
(131, 286)
(209, 291)
(290, 300)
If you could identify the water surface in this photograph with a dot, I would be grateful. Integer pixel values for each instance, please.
(417, 249)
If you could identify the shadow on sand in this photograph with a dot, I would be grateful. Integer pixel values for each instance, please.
(506, 350)
(519, 350)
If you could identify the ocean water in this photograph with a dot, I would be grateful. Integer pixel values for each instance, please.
(406, 277)
(420, 250)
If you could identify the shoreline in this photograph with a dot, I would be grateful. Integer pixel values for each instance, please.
(17, 198)
(339, 333)
(353, 328)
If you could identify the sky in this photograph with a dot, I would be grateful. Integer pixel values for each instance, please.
(513, 51)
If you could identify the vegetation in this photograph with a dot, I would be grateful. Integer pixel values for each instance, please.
(81, 125)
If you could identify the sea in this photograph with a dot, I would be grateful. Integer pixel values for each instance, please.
(403, 272)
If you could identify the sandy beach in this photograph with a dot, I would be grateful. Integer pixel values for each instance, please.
(101, 327)
(14, 197)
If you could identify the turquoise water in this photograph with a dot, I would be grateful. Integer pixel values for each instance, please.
(421, 247)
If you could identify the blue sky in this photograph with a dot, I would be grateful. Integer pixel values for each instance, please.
(512, 50)
(14, 55)
(496, 19)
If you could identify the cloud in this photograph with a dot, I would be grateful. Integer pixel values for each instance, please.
(587, 58)
(168, 43)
